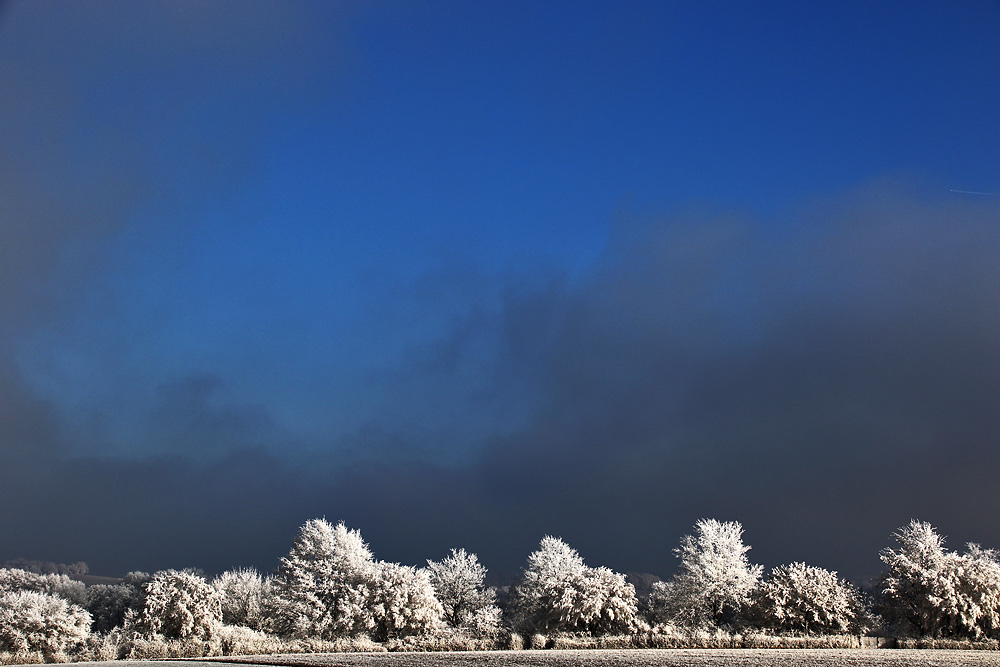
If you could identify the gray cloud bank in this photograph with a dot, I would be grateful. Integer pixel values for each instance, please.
(822, 378)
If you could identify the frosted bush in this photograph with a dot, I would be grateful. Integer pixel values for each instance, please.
(179, 605)
(485, 622)
(245, 597)
(101, 647)
(240, 640)
(43, 623)
(560, 593)
(458, 582)
(611, 606)
(403, 601)
(510, 641)
(801, 598)
(14, 579)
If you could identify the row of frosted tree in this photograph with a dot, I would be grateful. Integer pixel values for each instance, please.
(330, 589)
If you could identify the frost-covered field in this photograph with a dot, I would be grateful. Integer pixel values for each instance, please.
(611, 658)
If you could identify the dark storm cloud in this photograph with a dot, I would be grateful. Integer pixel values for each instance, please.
(822, 379)
(86, 93)
(821, 385)
(193, 415)
(26, 422)
(154, 513)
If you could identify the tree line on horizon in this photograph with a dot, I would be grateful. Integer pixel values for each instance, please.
(330, 593)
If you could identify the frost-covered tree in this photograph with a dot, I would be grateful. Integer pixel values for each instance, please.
(245, 597)
(466, 601)
(402, 601)
(549, 594)
(323, 585)
(919, 584)
(38, 622)
(179, 605)
(714, 581)
(937, 592)
(800, 598)
(329, 585)
(559, 592)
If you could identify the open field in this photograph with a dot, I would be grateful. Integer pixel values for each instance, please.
(605, 658)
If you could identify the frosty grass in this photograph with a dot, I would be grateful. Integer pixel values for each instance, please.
(635, 658)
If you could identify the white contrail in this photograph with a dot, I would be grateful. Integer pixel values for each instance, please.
(972, 192)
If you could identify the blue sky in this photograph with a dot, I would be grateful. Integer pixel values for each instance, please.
(663, 250)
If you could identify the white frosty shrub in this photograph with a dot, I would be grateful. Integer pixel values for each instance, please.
(245, 597)
(560, 593)
(714, 581)
(937, 592)
(402, 601)
(611, 603)
(60, 585)
(979, 613)
(800, 598)
(38, 622)
(466, 601)
(485, 622)
(179, 605)
(15, 579)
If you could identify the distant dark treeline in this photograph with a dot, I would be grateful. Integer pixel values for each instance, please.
(46, 567)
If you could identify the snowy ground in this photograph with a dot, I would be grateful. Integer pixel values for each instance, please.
(609, 658)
